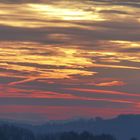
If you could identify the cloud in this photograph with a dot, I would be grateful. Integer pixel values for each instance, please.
(112, 83)
(22, 93)
(131, 50)
(41, 114)
(50, 53)
(122, 95)
(23, 1)
(113, 12)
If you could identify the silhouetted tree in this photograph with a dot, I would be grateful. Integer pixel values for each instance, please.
(86, 135)
(10, 132)
(69, 136)
(133, 138)
(104, 137)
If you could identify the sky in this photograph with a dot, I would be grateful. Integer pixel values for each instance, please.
(65, 59)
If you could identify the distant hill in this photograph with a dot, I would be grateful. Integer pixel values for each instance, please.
(122, 127)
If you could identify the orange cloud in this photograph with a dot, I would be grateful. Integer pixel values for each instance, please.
(10, 92)
(112, 83)
(103, 91)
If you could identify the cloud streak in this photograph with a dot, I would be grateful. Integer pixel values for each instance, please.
(69, 55)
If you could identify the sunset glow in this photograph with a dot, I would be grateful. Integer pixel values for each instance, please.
(64, 56)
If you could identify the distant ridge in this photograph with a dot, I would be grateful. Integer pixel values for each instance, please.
(123, 127)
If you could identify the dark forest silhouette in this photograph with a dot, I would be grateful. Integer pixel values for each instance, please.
(11, 132)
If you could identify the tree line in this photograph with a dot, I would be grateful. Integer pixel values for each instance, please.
(11, 132)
